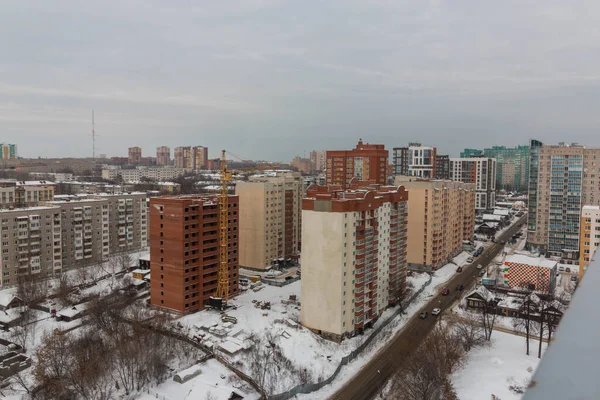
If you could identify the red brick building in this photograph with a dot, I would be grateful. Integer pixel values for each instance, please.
(184, 249)
(367, 162)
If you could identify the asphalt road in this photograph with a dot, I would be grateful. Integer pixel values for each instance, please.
(366, 384)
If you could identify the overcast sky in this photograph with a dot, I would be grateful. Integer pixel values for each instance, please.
(273, 79)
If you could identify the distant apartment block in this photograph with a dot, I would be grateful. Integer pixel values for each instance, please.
(134, 155)
(8, 151)
(318, 159)
(163, 155)
(135, 175)
(562, 178)
(366, 162)
(419, 160)
(25, 193)
(184, 249)
(128, 221)
(512, 169)
(589, 239)
(53, 176)
(191, 157)
(31, 242)
(353, 256)
(441, 217)
(270, 212)
(480, 171)
(303, 165)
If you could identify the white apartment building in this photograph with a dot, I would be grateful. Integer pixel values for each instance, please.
(353, 256)
(134, 175)
(482, 172)
(269, 222)
(30, 243)
(128, 220)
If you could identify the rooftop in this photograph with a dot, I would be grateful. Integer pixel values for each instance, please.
(533, 261)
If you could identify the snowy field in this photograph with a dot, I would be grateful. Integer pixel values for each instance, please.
(214, 382)
(495, 369)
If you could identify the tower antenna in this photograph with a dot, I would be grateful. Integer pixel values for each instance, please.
(93, 138)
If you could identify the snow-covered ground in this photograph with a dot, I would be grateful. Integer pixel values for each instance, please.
(495, 369)
(214, 382)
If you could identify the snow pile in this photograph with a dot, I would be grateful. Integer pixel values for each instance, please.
(503, 369)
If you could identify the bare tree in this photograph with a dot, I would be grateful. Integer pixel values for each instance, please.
(523, 321)
(469, 332)
(488, 318)
(64, 290)
(25, 329)
(31, 289)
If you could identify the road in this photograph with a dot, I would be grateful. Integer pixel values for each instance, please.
(366, 384)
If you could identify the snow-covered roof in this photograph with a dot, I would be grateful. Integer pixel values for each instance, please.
(71, 312)
(138, 282)
(230, 347)
(501, 211)
(140, 271)
(591, 208)
(145, 257)
(6, 298)
(533, 261)
(483, 292)
(492, 217)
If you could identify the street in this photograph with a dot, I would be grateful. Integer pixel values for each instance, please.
(370, 379)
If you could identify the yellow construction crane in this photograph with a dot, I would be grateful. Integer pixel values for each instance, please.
(223, 285)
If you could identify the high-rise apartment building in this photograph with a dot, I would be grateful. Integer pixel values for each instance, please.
(589, 238)
(134, 155)
(441, 216)
(318, 159)
(31, 242)
(353, 255)
(191, 157)
(85, 231)
(562, 178)
(8, 151)
(163, 155)
(184, 249)
(480, 171)
(270, 211)
(421, 161)
(128, 220)
(512, 168)
(366, 162)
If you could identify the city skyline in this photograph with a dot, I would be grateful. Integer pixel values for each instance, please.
(274, 80)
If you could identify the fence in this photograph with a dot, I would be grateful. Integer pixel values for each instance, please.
(311, 387)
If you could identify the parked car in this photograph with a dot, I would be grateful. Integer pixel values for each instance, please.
(423, 315)
(568, 269)
(479, 266)
(470, 260)
(445, 291)
(460, 288)
(436, 311)
(459, 269)
(481, 273)
(561, 269)
(574, 278)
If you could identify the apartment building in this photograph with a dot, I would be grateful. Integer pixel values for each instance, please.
(85, 231)
(25, 193)
(562, 178)
(421, 161)
(133, 175)
(480, 171)
(442, 167)
(589, 239)
(441, 216)
(163, 155)
(134, 155)
(270, 212)
(318, 160)
(366, 162)
(353, 256)
(31, 242)
(184, 249)
(8, 151)
(512, 168)
(191, 157)
(128, 220)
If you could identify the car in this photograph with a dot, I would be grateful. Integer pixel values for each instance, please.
(423, 315)
(479, 266)
(470, 260)
(561, 269)
(436, 311)
(481, 273)
(567, 269)
(459, 269)
(445, 291)
(460, 288)
(574, 278)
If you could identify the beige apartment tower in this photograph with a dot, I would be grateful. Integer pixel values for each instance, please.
(163, 155)
(441, 215)
(270, 211)
(590, 236)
